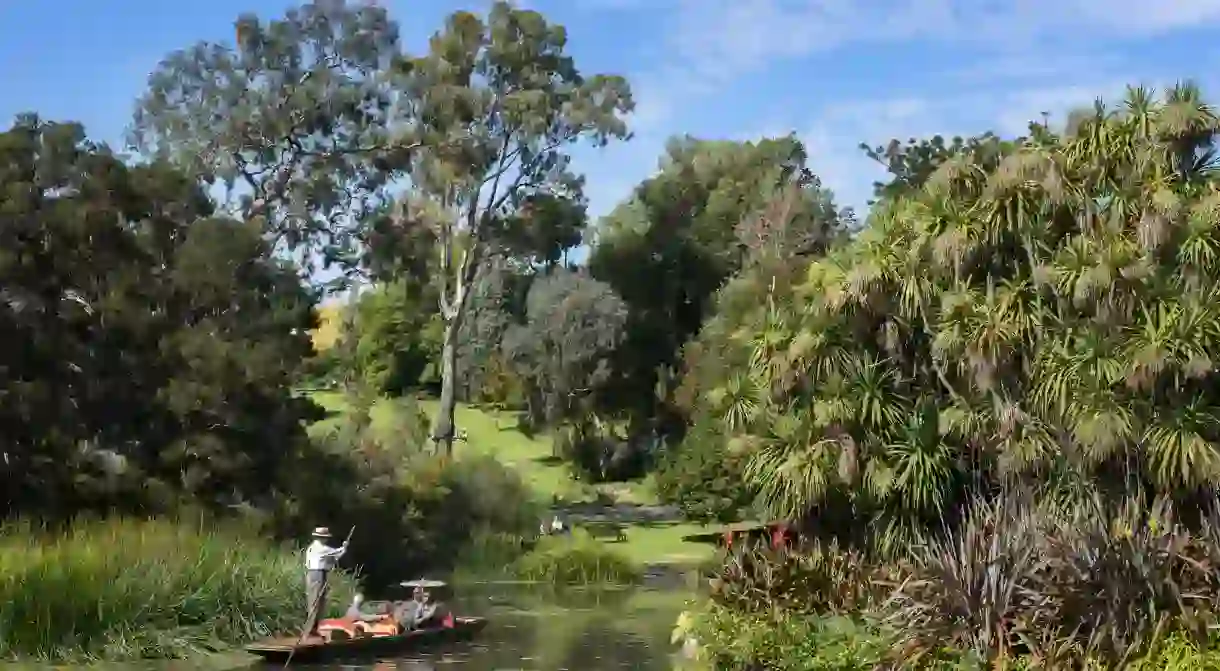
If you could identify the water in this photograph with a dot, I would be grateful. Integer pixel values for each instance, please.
(536, 629)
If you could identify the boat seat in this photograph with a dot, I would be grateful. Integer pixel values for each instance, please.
(386, 627)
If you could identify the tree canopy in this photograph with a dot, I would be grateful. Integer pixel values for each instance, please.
(316, 115)
(572, 323)
(296, 119)
(1043, 312)
(668, 248)
(151, 345)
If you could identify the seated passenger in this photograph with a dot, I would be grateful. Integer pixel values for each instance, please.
(356, 611)
(417, 613)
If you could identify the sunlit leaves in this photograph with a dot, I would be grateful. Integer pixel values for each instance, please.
(1181, 446)
(294, 119)
(740, 401)
(789, 479)
(1049, 310)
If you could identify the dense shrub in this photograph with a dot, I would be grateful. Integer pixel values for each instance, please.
(724, 639)
(414, 512)
(125, 589)
(597, 451)
(704, 481)
(576, 559)
(149, 347)
(727, 640)
(1058, 582)
(813, 579)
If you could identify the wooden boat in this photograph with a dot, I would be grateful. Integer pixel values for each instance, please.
(316, 648)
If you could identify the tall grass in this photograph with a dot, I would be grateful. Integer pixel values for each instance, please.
(576, 559)
(122, 589)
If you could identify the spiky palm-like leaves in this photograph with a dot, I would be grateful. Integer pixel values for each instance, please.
(1046, 306)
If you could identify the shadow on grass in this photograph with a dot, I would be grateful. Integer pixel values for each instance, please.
(549, 460)
(654, 524)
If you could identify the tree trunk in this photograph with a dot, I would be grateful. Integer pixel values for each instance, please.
(442, 423)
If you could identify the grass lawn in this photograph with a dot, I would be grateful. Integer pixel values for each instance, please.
(661, 543)
(488, 432)
(496, 434)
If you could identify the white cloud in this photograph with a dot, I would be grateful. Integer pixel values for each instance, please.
(726, 38)
(1010, 50)
(1015, 48)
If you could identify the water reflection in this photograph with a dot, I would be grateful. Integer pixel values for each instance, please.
(537, 630)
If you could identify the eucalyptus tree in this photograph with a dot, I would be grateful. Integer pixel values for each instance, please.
(319, 114)
(295, 118)
(495, 106)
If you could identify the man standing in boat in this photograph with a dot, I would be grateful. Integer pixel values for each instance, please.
(320, 560)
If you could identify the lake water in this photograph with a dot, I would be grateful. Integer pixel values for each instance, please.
(540, 630)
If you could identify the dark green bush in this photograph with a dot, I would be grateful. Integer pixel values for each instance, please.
(414, 512)
(814, 579)
(597, 452)
(703, 480)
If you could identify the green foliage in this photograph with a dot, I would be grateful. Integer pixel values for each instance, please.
(571, 324)
(732, 641)
(293, 119)
(729, 639)
(1040, 312)
(128, 590)
(575, 559)
(705, 473)
(394, 335)
(484, 374)
(596, 451)
(668, 248)
(414, 512)
(323, 370)
(1180, 654)
(816, 580)
(493, 135)
(315, 114)
(151, 348)
(910, 165)
(704, 481)
(544, 229)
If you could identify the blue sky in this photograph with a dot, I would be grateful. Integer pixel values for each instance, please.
(837, 72)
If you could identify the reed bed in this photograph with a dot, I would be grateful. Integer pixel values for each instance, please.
(126, 589)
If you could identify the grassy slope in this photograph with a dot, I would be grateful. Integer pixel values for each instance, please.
(495, 433)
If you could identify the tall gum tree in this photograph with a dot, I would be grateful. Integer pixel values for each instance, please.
(294, 120)
(494, 106)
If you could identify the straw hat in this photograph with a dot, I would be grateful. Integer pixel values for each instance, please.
(321, 532)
